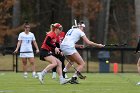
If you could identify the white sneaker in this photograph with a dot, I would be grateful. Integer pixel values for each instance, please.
(25, 75)
(34, 75)
(138, 83)
(64, 81)
(40, 77)
(54, 75)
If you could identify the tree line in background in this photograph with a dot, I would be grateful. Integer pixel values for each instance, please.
(108, 21)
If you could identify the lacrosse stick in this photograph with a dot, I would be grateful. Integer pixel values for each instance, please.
(112, 45)
(75, 22)
(78, 73)
(115, 45)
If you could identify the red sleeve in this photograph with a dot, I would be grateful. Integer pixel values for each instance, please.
(51, 35)
(63, 34)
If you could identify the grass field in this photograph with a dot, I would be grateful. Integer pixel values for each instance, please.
(11, 82)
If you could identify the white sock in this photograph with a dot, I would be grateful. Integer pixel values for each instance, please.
(25, 73)
(65, 70)
(61, 77)
(75, 75)
(54, 73)
(44, 72)
(34, 73)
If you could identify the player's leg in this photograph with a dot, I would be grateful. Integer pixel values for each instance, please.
(52, 63)
(78, 59)
(59, 71)
(24, 62)
(68, 65)
(54, 73)
(138, 66)
(62, 59)
(51, 59)
(67, 51)
(32, 63)
(80, 62)
(54, 70)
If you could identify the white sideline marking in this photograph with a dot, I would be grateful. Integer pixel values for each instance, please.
(2, 74)
(5, 91)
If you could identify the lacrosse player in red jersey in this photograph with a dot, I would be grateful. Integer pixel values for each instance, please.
(68, 48)
(60, 57)
(46, 54)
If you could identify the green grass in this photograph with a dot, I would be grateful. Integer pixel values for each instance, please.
(11, 82)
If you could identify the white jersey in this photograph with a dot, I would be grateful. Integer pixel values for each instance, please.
(68, 44)
(72, 36)
(26, 44)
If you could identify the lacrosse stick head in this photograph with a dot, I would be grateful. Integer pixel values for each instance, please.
(80, 75)
(75, 24)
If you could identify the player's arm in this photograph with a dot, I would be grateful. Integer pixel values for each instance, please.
(87, 41)
(18, 45)
(79, 46)
(48, 42)
(36, 46)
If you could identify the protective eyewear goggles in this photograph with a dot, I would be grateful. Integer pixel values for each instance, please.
(61, 28)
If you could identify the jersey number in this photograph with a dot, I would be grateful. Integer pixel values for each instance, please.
(69, 32)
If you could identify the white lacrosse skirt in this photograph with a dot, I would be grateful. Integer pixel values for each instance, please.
(68, 50)
(26, 55)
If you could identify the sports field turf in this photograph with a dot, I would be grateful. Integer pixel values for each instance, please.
(11, 82)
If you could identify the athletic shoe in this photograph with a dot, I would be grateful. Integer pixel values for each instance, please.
(138, 83)
(64, 81)
(25, 75)
(54, 75)
(40, 77)
(74, 80)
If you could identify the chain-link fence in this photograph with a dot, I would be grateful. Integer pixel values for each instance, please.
(94, 63)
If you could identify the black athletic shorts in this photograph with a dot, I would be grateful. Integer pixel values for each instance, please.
(44, 53)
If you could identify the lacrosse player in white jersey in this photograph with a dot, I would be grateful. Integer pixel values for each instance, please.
(25, 40)
(68, 48)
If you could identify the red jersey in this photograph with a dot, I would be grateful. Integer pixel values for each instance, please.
(60, 37)
(53, 41)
